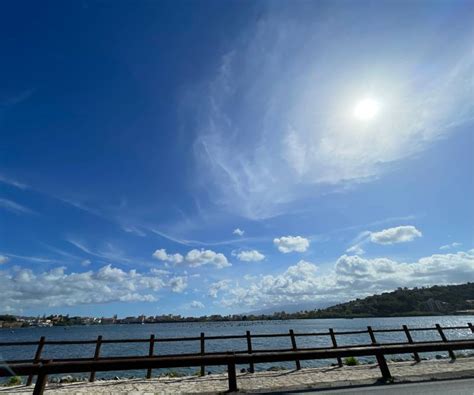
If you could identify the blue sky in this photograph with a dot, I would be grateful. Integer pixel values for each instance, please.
(221, 157)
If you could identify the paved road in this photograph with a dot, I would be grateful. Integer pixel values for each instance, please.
(451, 387)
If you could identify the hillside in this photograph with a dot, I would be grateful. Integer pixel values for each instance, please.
(436, 300)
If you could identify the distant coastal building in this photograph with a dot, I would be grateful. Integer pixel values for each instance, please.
(436, 305)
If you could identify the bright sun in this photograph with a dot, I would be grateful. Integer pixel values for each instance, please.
(366, 109)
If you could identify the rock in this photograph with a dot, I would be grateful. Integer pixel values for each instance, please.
(243, 370)
(439, 356)
(116, 378)
(66, 379)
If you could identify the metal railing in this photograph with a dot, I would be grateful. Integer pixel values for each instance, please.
(44, 367)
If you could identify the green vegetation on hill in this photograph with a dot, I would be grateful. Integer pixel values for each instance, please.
(436, 300)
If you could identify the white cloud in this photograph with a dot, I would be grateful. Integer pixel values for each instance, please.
(14, 207)
(250, 256)
(3, 259)
(86, 262)
(24, 288)
(450, 246)
(269, 135)
(195, 304)
(355, 249)
(201, 257)
(194, 258)
(161, 255)
(350, 277)
(400, 234)
(288, 244)
(214, 288)
(238, 232)
(178, 284)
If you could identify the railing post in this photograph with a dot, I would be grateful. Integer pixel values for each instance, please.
(445, 340)
(381, 361)
(334, 344)
(372, 335)
(410, 341)
(293, 346)
(383, 365)
(39, 350)
(232, 376)
(203, 351)
(41, 379)
(151, 350)
(470, 327)
(249, 350)
(96, 356)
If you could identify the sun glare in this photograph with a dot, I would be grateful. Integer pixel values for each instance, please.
(366, 109)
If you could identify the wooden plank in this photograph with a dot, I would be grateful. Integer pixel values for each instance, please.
(151, 351)
(249, 350)
(37, 358)
(416, 356)
(293, 345)
(334, 344)
(444, 339)
(96, 356)
(203, 351)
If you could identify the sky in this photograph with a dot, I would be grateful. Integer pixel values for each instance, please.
(224, 157)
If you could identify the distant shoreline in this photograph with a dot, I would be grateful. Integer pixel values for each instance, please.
(190, 321)
(446, 300)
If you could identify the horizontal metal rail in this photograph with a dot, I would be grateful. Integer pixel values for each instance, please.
(228, 337)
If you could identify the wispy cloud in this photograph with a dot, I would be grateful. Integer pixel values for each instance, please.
(109, 253)
(275, 127)
(450, 246)
(12, 182)
(395, 235)
(17, 98)
(14, 207)
(400, 234)
(197, 243)
(34, 259)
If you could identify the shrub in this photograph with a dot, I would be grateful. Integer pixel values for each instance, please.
(351, 361)
(173, 373)
(15, 380)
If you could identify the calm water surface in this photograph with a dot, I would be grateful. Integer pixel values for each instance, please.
(219, 328)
